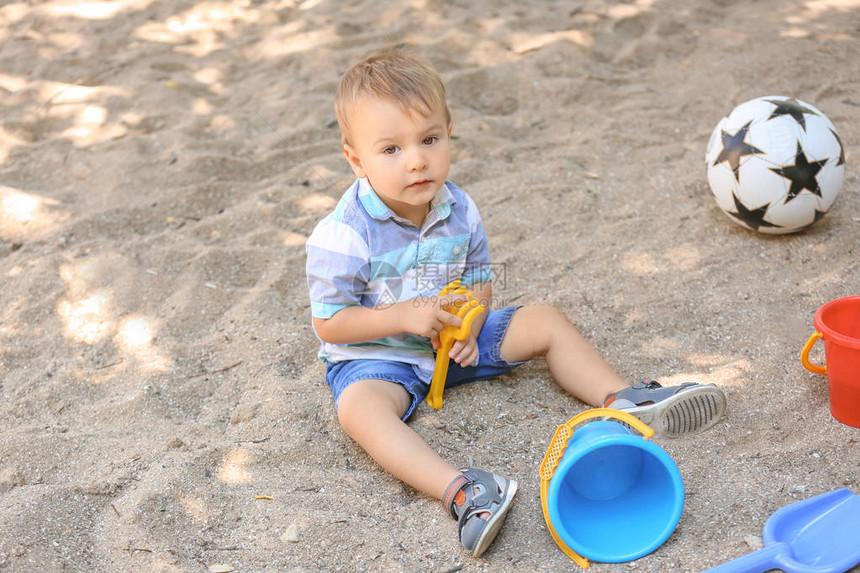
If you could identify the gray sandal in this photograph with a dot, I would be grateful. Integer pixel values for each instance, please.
(484, 493)
(674, 411)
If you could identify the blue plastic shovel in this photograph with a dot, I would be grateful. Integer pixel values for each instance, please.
(817, 535)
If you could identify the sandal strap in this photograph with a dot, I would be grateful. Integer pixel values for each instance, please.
(647, 383)
(457, 484)
(646, 390)
(482, 494)
(486, 498)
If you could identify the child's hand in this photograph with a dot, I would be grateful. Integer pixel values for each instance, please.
(465, 352)
(426, 315)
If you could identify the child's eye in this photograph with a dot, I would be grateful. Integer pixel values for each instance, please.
(430, 140)
(390, 150)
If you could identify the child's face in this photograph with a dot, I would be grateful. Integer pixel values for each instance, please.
(404, 154)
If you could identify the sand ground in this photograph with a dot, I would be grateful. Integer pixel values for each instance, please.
(162, 164)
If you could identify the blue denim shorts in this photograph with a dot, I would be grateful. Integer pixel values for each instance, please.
(416, 381)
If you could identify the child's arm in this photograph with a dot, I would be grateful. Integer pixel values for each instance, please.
(424, 316)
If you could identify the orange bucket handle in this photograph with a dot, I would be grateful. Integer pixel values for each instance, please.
(804, 355)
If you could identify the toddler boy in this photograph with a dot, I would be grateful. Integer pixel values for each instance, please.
(398, 235)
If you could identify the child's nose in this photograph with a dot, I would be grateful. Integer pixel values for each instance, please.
(417, 160)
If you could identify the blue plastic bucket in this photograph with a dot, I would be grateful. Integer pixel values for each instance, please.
(613, 496)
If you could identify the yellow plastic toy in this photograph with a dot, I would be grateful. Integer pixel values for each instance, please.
(467, 310)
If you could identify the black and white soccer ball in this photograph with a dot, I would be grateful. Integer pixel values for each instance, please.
(775, 164)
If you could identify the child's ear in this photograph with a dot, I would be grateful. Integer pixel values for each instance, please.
(450, 127)
(354, 160)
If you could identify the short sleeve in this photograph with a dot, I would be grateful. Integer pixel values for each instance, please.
(337, 259)
(477, 268)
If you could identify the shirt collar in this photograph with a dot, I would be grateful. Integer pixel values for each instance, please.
(440, 204)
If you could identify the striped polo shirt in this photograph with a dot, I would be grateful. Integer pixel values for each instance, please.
(364, 254)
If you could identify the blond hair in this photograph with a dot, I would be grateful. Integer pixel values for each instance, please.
(404, 79)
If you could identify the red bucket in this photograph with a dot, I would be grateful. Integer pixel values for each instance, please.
(838, 324)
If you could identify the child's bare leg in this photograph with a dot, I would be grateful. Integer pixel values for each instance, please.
(370, 411)
(576, 366)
